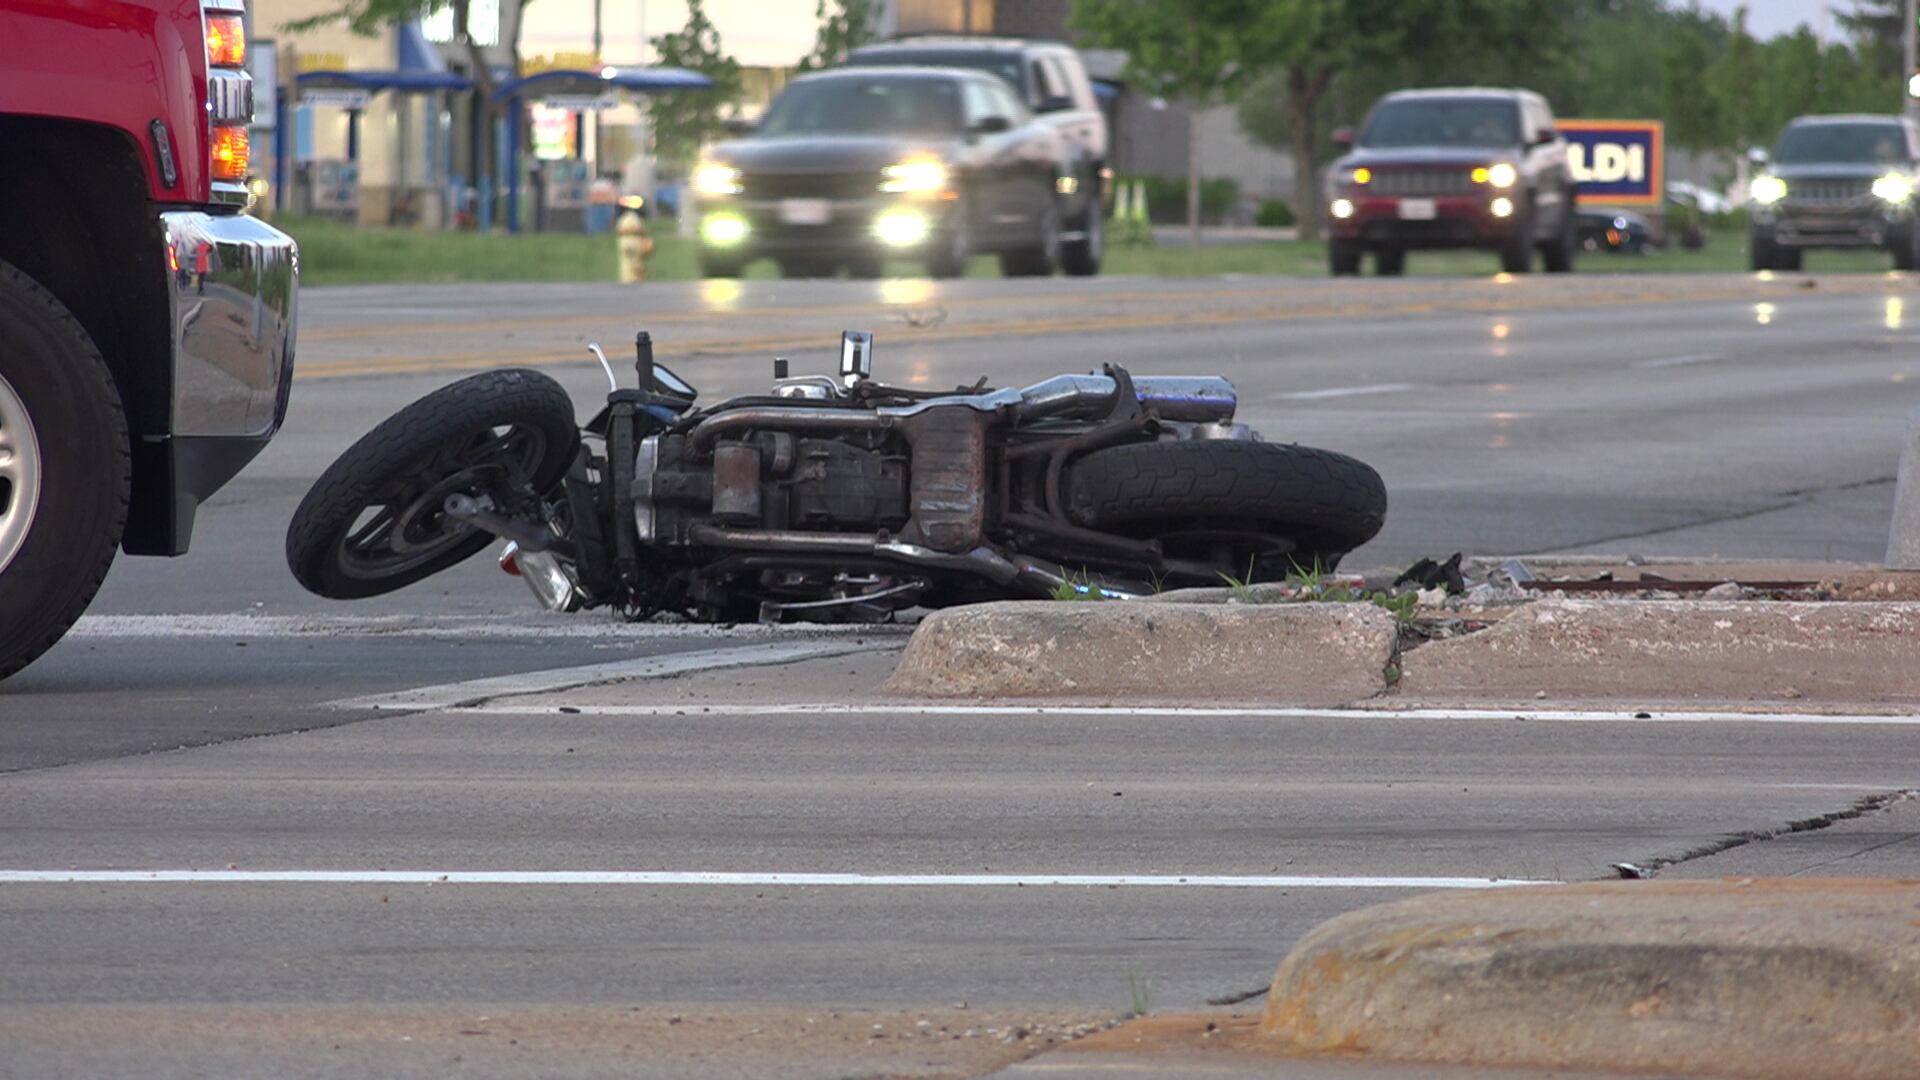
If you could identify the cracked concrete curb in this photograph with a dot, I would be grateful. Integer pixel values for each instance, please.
(1320, 654)
(1722, 651)
(1811, 980)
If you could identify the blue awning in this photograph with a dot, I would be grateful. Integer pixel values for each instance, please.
(407, 82)
(588, 83)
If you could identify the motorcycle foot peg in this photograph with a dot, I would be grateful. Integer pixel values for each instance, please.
(856, 356)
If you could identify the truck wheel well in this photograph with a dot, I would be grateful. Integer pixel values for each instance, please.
(75, 216)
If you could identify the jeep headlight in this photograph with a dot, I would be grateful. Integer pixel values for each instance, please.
(1501, 175)
(1894, 187)
(1767, 190)
(917, 176)
(713, 178)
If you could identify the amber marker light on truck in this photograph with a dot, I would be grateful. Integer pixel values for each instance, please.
(226, 41)
(230, 153)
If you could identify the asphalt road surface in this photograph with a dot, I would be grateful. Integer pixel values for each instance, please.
(1653, 415)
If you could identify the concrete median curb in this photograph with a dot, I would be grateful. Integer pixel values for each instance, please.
(1319, 654)
(1810, 980)
(1726, 651)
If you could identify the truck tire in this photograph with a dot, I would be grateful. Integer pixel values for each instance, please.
(1516, 255)
(1343, 257)
(64, 470)
(1042, 257)
(1906, 248)
(1761, 254)
(1556, 255)
(372, 523)
(1325, 504)
(1082, 257)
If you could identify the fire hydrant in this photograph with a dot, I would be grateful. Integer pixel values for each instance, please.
(635, 245)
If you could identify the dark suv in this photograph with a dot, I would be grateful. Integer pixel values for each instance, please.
(1473, 167)
(1052, 80)
(1836, 181)
(853, 166)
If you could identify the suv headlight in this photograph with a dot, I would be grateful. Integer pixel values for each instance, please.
(1501, 175)
(1894, 187)
(713, 178)
(1767, 190)
(917, 176)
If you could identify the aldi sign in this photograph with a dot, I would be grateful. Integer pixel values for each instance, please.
(1616, 162)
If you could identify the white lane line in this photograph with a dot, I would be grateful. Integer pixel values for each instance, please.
(436, 626)
(1679, 361)
(1345, 391)
(1198, 711)
(701, 877)
(477, 691)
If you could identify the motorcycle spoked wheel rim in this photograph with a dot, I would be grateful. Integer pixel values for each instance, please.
(404, 525)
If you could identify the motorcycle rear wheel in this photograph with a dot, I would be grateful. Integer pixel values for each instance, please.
(374, 522)
(1262, 509)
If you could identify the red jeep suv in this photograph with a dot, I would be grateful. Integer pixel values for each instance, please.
(1479, 168)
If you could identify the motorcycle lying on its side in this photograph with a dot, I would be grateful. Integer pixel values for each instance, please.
(828, 499)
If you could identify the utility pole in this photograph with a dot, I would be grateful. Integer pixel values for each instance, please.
(1907, 58)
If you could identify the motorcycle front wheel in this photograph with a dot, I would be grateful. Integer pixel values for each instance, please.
(1250, 510)
(374, 521)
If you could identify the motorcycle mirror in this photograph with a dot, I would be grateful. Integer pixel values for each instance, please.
(856, 356)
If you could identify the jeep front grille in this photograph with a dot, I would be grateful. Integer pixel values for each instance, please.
(1422, 182)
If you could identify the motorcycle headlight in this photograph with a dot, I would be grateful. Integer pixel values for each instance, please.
(1894, 187)
(918, 176)
(1767, 190)
(1502, 175)
(713, 178)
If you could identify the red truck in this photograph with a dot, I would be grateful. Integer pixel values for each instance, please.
(146, 322)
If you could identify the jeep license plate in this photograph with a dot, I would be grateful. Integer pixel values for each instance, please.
(805, 211)
(1417, 210)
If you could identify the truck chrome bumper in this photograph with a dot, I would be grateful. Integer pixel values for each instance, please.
(232, 285)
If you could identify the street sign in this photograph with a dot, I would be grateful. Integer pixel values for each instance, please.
(580, 102)
(263, 61)
(1616, 162)
(344, 99)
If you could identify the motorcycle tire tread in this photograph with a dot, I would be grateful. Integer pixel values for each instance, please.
(1327, 502)
(340, 494)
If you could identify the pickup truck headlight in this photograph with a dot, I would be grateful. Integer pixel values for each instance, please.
(1767, 190)
(916, 177)
(1360, 175)
(1502, 175)
(1894, 187)
(713, 178)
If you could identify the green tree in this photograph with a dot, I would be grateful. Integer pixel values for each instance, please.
(1692, 112)
(1199, 52)
(369, 17)
(1877, 27)
(852, 24)
(685, 119)
(1736, 82)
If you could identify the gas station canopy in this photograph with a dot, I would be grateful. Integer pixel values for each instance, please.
(372, 82)
(592, 83)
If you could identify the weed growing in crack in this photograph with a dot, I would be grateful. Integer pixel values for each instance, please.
(1306, 585)
(1137, 987)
